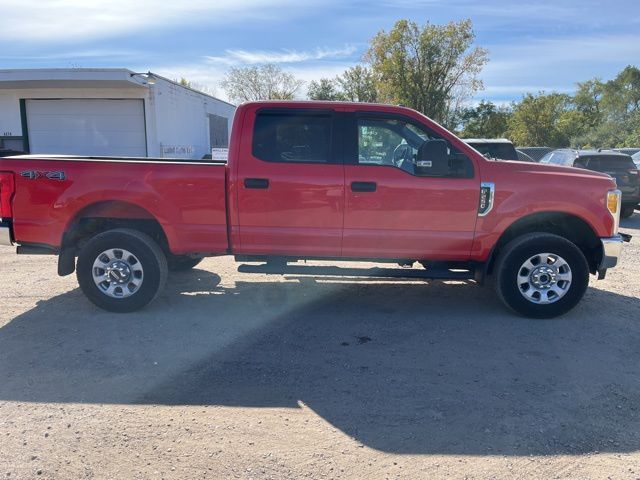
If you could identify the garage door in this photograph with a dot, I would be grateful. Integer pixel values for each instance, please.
(87, 127)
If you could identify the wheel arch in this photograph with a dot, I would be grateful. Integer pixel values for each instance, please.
(566, 225)
(101, 216)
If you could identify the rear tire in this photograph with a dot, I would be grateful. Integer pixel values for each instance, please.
(121, 270)
(182, 263)
(626, 212)
(541, 275)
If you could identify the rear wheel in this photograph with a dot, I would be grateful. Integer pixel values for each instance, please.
(541, 275)
(121, 270)
(626, 212)
(181, 263)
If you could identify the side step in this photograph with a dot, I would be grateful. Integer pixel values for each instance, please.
(330, 271)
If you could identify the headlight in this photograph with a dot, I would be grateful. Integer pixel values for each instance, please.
(614, 200)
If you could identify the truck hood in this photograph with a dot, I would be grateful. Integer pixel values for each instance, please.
(545, 169)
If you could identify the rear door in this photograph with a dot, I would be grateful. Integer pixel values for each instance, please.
(290, 192)
(391, 211)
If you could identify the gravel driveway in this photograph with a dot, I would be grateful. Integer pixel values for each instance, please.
(247, 376)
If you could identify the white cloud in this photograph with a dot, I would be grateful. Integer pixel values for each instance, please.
(246, 57)
(70, 20)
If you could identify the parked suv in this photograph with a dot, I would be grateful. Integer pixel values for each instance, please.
(619, 165)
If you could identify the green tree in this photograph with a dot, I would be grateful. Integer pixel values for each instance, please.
(611, 110)
(431, 68)
(541, 120)
(324, 89)
(358, 85)
(484, 121)
(264, 82)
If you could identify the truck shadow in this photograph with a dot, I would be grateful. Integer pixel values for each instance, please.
(632, 222)
(401, 367)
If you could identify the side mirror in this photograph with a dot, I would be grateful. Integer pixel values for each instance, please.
(433, 159)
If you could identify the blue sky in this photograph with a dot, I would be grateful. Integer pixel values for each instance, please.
(533, 45)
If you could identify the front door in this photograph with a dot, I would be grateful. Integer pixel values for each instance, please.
(290, 184)
(393, 210)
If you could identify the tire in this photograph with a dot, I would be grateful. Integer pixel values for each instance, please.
(182, 263)
(136, 270)
(626, 212)
(533, 289)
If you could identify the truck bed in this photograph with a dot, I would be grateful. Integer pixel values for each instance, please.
(186, 197)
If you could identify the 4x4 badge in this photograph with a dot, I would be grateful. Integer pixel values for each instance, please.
(35, 174)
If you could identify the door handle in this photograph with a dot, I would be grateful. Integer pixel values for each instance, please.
(260, 183)
(363, 186)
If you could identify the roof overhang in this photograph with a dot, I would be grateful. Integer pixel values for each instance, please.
(71, 78)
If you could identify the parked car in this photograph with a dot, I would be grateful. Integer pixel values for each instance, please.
(629, 151)
(636, 159)
(318, 180)
(497, 148)
(618, 165)
(536, 152)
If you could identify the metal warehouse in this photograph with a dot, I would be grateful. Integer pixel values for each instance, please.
(105, 111)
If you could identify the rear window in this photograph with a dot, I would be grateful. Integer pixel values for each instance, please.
(603, 163)
(504, 151)
(292, 137)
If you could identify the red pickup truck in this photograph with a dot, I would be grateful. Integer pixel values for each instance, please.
(318, 180)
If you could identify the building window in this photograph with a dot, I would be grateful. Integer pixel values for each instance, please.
(218, 131)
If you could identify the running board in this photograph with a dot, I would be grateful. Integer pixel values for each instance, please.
(330, 271)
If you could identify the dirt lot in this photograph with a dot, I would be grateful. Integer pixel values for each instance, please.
(255, 376)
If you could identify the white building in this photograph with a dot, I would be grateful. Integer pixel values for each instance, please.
(103, 111)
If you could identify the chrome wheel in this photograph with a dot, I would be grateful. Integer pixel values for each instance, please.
(117, 273)
(544, 278)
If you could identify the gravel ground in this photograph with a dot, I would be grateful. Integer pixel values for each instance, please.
(257, 377)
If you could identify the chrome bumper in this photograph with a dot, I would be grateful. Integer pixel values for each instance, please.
(611, 251)
(5, 234)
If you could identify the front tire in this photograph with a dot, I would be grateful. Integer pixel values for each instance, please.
(626, 212)
(121, 270)
(541, 275)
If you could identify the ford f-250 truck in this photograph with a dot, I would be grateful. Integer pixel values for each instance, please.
(318, 180)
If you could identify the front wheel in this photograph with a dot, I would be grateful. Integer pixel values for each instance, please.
(626, 212)
(121, 270)
(541, 275)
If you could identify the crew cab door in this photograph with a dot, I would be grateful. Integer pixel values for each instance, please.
(394, 211)
(290, 183)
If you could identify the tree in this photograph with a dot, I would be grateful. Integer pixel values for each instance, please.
(358, 85)
(324, 89)
(541, 120)
(432, 68)
(484, 121)
(611, 110)
(264, 82)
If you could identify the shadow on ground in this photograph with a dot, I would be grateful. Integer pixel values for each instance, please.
(401, 367)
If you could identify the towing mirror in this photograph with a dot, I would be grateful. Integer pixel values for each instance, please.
(433, 159)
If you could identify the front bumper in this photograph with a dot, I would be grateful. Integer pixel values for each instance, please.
(611, 251)
(6, 234)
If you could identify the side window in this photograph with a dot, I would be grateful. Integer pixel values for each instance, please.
(292, 137)
(396, 143)
(379, 143)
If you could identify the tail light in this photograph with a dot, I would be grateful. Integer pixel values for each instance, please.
(7, 189)
(634, 174)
